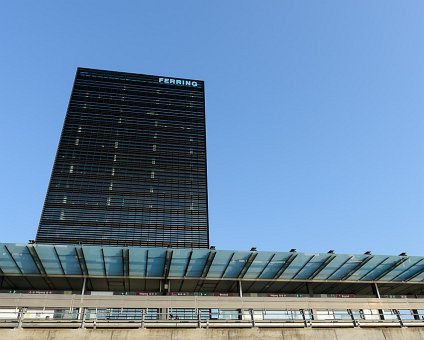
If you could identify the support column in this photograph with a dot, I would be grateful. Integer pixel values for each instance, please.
(197, 311)
(355, 322)
(167, 288)
(143, 312)
(396, 312)
(80, 310)
(313, 314)
(163, 312)
(305, 322)
(83, 312)
(416, 314)
(252, 316)
(376, 292)
(21, 313)
(84, 282)
(240, 311)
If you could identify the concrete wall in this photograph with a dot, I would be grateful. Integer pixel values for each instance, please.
(202, 334)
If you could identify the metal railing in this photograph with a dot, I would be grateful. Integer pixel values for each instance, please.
(101, 310)
(206, 318)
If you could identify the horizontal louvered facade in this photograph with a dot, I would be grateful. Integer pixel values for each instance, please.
(131, 164)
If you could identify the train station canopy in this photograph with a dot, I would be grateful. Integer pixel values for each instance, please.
(137, 269)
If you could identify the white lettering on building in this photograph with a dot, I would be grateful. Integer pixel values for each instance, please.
(179, 82)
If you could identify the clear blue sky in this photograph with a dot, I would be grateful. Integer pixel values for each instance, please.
(315, 111)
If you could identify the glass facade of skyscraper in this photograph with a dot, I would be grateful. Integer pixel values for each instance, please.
(131, 164)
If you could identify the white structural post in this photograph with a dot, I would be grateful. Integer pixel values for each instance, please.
(81, 310)
(83, 285)
(240, 289)
(376, 290)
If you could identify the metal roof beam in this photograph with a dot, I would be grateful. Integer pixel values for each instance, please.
(369, 271)
(322, 266)
(104, 262)
(83, 265)
(304, 265)
(223, 273)
(245, 268)
(247, 265)
(126, 268)
(285, 266)
(81, 261)
(205, 270)
(36, 260)
(388, 270)
(208, 263)
(186, 270)
(413, 276)
(228, 264)
(167, 266)
(335, 271)
(406, 269)
(188, 264)
(357, 267)
(147, 261)
(61, 267)
(13, 259)
(17, 266)
(104, 269)
(58, 260)
(39, 264)
(263, 269)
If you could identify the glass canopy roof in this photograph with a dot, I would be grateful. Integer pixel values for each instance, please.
(167, 263)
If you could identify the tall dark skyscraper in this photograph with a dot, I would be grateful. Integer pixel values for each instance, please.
(131, 164)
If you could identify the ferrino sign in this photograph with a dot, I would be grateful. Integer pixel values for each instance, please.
(178, 82)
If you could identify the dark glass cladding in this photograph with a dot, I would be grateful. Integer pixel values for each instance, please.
(131, 164)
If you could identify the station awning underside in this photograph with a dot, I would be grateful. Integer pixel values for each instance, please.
(136, 269)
